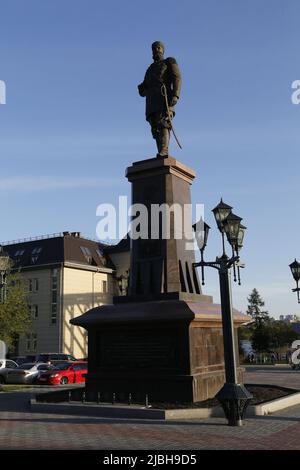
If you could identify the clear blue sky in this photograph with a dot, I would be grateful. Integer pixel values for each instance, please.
(73, 119)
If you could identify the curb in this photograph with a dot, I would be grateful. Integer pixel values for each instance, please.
(105, 411)
(274, 405)
(136, 412)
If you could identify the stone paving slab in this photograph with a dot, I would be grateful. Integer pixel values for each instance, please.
(273, 375)
(22, 429)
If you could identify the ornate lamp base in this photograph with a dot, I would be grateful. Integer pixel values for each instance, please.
(234, 399)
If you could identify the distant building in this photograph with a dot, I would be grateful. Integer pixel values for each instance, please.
(66, 275)
(289, 318)
(296, 327)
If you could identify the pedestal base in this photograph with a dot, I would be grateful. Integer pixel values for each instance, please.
(171, 350)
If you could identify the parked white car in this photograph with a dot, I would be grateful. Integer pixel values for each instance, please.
(26, 373)
(6, 365)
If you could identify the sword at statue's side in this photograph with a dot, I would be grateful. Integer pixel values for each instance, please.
(164, 93)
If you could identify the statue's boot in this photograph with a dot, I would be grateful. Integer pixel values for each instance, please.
(162, 143)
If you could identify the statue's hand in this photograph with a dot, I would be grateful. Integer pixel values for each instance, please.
(142, 90)
(173, 101)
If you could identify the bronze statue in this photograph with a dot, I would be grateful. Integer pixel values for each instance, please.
(161, 87)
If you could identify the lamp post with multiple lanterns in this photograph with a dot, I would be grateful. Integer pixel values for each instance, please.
(295, 269)
(234, 397)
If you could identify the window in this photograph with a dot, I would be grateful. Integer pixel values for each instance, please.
(54, 314)
(34, 341)
(80, 367)
(36, 250)
(104, 287)
(17, 256)
(34, 311)
(31, 342)
(54, 295)
(44, 367)
(19, 253)
(10, 365)
(101, 256)
(61, 357)
(69, 357)
(35, 254)
(87, 254)
(54, 283)
(33, 285)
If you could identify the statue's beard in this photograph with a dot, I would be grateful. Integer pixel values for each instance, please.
(157, 57)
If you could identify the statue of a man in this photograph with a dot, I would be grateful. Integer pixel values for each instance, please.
(161, 78)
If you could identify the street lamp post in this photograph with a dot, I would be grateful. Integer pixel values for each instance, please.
(4, 268)
(234, 397)
(295, 269)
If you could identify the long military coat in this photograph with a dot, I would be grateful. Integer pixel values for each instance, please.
(164, 71)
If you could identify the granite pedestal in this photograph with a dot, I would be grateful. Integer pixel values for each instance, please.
(165, 338)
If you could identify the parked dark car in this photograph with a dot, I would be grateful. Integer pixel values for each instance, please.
(24, 359)
(54, 357)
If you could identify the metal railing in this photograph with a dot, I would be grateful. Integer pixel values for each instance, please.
(109, 397)
(44, 237)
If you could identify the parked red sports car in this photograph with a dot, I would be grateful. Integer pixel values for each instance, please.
(64, 373)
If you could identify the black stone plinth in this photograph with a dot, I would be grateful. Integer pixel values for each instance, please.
(171, 350)
(165, 339)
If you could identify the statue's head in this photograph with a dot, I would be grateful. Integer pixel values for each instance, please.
(158, 50)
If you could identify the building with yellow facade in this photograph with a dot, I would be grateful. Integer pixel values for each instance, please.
(66, 275)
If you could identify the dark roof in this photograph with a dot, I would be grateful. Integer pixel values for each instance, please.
(67, 247)
(122, 246)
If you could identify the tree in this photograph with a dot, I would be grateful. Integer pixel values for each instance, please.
(15, 315)
(258, 332)
(281, 334)
(255, 309)
(261, 338)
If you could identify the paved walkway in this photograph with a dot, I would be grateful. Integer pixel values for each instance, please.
(22, 429)
(275, 375)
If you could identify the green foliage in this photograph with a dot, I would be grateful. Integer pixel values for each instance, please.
(261, 338)
(255, 308)
(244, 332)
(281, 334)
(265, 333)
(15, 315)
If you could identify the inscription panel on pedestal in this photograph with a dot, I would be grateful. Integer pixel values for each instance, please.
(136, 349)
